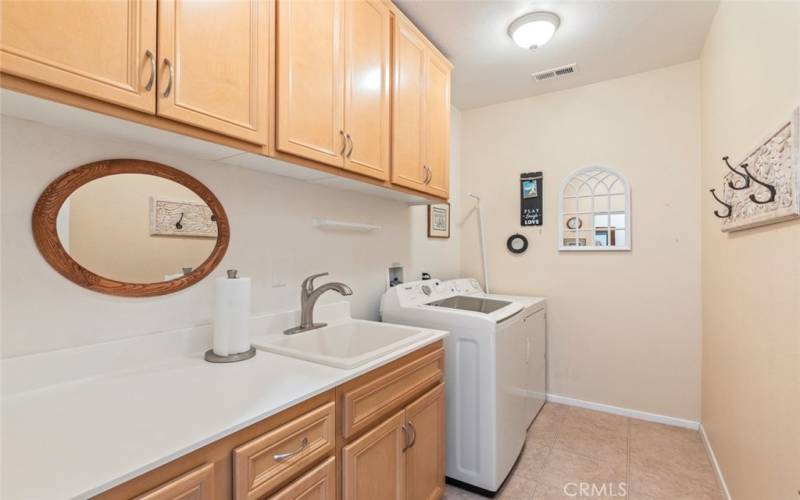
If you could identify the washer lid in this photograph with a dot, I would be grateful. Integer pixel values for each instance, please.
(467, 303)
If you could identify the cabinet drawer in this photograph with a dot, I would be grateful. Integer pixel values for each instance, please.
(365, 404)
(317, 484)
(197, 484)
(265, 462)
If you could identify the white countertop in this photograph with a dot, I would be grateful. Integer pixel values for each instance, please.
(77, 439)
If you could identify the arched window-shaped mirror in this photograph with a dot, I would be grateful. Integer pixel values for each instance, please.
(595, 211)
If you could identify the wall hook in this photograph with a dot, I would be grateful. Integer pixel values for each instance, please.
(772, 190)
(729, 207)
(745, 177)
(178, 224)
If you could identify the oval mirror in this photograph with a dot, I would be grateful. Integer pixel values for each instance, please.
(130, 227)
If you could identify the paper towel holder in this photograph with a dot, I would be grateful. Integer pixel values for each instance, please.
(213, 357)
(230, 358)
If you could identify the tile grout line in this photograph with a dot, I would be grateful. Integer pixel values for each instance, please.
(628, 463)
(546, 460)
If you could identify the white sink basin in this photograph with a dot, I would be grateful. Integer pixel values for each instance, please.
(345, 344)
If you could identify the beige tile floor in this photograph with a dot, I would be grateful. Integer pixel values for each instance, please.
(571, 448)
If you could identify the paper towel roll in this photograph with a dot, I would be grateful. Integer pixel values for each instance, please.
(232, 316)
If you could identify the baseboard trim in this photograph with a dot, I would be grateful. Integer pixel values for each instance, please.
(717, 470)
(625, 412)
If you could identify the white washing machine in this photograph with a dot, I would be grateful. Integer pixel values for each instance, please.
(495, 370)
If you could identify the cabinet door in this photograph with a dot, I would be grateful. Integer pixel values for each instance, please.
(374, 465)
(367, 106)
(425, 456)
(437, 125)
(213, 65)
(408, 108)
(97, 49)
(310, 79)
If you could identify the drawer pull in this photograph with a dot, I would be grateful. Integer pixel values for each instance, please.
(280, 457)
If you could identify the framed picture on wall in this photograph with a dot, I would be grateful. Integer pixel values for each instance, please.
(439, 220)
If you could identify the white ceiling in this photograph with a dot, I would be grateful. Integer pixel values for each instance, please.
(607, 39)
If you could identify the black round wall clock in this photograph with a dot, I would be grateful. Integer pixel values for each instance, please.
(517, 243)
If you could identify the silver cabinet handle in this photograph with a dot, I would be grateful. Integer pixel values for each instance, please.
(152, 79)
(350, 141)
(344, 142)
(280, 457)
(171, 77)
(405, 437)
(413, 434)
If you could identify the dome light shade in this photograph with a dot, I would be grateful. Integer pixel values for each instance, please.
(531, 31)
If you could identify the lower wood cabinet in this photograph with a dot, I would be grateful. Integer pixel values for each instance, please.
(374, 466)
(317, 484)
(262, 464)
(425, 455)
(197, 484)
(402, 458)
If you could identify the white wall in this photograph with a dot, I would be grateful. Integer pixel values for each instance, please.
(623, 327)
(271, 240)
(751, 279)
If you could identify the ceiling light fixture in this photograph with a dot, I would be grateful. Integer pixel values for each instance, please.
(531, 31)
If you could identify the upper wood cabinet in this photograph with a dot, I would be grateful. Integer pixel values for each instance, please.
(211, 68)
(105, 50)
(408, 108)
(437, 125)
(349, 84)
(213, 65)
(310, 80)
(367, 104)
(420, 114)
(333, 83)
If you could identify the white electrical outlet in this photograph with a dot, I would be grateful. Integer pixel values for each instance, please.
(280, 272)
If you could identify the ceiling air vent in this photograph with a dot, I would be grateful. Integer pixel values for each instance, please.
(555, 72)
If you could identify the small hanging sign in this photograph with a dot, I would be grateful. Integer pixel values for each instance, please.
(530, 192)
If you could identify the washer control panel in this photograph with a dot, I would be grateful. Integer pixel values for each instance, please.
(465, 286)
(423, 292)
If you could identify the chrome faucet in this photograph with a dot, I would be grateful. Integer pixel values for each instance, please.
(308, 299)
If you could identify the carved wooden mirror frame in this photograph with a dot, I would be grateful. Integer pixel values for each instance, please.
(45, 233)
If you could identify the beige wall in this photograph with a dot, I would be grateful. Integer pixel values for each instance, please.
(624, 327)
(272, 241)
(751, 279)
(110, 229)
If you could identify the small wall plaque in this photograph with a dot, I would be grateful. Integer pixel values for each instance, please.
(530, 186)
(181, 218)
